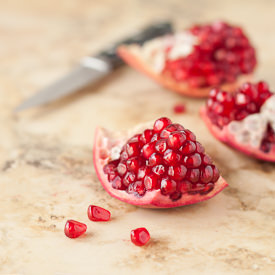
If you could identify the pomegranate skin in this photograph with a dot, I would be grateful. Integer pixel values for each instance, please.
(226, 137)
(104, 142)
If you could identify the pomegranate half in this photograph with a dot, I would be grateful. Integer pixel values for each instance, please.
(192, 61)
(159, 167)
(244, 120)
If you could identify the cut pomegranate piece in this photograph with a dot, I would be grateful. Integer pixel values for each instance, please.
(244, 119)
(98, 214)
(192, 61)
(173, 170)
(74, 229)
(140, 236)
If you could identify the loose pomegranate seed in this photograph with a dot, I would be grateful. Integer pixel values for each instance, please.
(98, 214)
(174, 163)
(220, 55)
(74, 229)
(179, 108)
(140, 236)
(223, 107)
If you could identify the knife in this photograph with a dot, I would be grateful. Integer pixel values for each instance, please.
(92, 68)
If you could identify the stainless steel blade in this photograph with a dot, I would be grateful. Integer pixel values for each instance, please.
(78, 78)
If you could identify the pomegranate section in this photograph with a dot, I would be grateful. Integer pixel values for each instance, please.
(169, 160)
(221, 54)
(244, 119)
(192, 61)
(140, 236)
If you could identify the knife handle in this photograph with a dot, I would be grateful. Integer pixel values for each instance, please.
(158, 29)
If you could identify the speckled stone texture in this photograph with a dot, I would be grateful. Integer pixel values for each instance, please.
(47, 174)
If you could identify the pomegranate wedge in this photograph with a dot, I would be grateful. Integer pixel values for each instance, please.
(244, 120)
(192, 61)
(159, 167)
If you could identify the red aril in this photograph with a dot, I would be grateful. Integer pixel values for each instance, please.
(140, 236)
(98, 214)
(74, 229)
(154, 178)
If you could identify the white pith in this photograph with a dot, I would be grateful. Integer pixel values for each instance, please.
(154, 54)
(251, 130)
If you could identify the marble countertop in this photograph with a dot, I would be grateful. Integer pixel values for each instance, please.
(46, 170)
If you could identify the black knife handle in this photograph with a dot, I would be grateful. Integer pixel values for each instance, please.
(152, 31)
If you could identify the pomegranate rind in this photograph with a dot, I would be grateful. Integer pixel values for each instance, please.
(104, 141)
(228, 138)
(132, 59)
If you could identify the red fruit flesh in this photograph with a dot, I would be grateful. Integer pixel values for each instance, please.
(164, 176)
(98, 214)
(140, 236)
(74, 229)
(222, 108)
(222, 56)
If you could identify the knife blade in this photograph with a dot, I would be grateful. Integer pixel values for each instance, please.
(91, 69)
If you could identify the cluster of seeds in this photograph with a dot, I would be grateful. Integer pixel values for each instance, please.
(221, 55)
(168, 158)
(223, 107)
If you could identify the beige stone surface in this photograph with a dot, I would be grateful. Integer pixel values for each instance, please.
(47, 174)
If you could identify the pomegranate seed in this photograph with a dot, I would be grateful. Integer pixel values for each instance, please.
(176, 140)
(208, 188)
(137, 187)
(151, 182)
(161, 146)
(159, 170)
(188, 148)
(140, 236)
(74, 229)
(161, 123)
(169, 129)
(168, 186)
(193, 161)
(132, 148)
(117, 183)
(174, 163)
(121, 169)
(129, 178)
(177, 172)
(179, 108)
(206, 174)
(142, 172)
(147, 135)
(170, 157)
(98, 214)
(132, 164)
(148, 149)
(154, 159)
(184, 186)
(193, 175)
